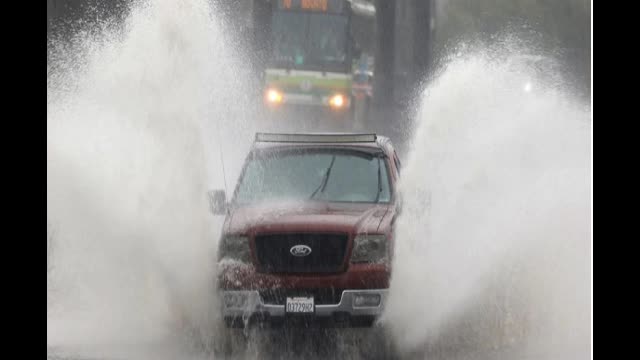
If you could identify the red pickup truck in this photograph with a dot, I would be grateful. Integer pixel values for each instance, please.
(308, 234)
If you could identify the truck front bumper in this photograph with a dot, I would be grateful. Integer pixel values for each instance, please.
(243, 307)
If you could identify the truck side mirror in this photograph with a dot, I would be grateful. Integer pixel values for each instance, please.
(357, 52)
(217, 202)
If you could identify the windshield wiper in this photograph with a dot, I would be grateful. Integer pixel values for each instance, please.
(379, 182)
(325, 179)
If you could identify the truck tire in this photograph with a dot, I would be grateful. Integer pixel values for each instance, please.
(377, 343)
(228, 342)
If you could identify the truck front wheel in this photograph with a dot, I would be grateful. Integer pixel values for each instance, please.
(229, 341)
(377, 343)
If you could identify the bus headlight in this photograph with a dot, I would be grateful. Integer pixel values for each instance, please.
(337, 101)
(369, 249)
(273, 96)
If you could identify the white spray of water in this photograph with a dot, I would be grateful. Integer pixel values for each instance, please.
(132, 148)
(133, 123)
(493, 245)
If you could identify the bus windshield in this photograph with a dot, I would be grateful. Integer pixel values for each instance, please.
(310, 41)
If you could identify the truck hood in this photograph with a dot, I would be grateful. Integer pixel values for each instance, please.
(307, 216)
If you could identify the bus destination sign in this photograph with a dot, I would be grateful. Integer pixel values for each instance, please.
(333, 6)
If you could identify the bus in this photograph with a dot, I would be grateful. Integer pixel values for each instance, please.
(314, 47)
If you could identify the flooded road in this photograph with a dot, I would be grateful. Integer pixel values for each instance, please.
(493, 250)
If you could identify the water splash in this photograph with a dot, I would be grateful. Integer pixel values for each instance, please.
(134, 116)
(493, 244)
(138, 114)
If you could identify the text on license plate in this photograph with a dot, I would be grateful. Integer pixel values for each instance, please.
(299, 305)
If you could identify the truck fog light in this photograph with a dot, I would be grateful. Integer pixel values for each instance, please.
(235, 300)
(366, 300)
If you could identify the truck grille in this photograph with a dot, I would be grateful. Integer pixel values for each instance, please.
(327, 253)
(328, 296)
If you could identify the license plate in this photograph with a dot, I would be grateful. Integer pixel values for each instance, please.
(299, 305)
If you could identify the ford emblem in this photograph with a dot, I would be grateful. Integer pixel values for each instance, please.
(300, 250)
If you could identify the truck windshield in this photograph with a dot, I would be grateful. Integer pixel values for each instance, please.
(325, 175)
(310, 41)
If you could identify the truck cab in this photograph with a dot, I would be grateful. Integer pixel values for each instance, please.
(308, 234)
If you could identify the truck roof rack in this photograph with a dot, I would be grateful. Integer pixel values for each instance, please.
(315, 138)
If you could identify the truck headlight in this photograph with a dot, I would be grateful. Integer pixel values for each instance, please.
(235, 247)
(369, 249)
